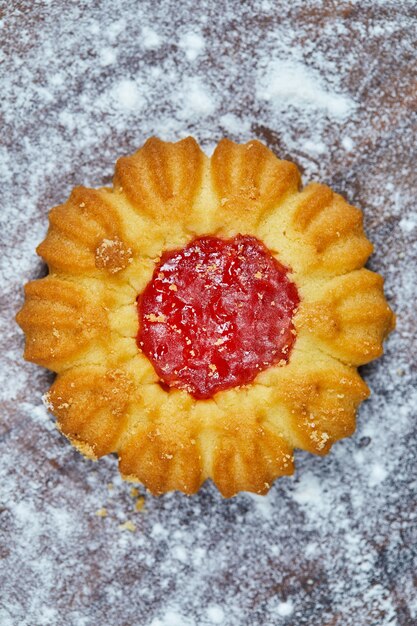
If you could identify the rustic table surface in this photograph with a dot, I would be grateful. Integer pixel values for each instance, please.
(327, 83)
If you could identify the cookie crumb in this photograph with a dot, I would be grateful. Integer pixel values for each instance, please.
(140, 503)
(128, 525)
(112, 255)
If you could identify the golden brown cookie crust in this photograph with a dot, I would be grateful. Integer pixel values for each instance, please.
(81, 320)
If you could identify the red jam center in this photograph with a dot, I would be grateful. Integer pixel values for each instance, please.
(215, 314)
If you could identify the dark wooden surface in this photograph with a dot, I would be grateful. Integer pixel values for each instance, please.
(82, 83)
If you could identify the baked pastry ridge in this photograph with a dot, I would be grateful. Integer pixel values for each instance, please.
(102, 249)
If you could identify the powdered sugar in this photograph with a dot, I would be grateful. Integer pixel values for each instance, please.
(284, 609)
(193, 44)
(126, 95)
(292, 84)
(150, 38)
(328, 85)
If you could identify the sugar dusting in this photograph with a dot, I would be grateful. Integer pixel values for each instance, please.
(329, 85)
(292, 84)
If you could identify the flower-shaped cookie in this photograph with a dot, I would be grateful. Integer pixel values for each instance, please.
(205, 316)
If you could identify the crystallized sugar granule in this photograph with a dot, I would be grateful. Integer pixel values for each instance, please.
(329, 84)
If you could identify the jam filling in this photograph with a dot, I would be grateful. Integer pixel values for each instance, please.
(215, 314)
